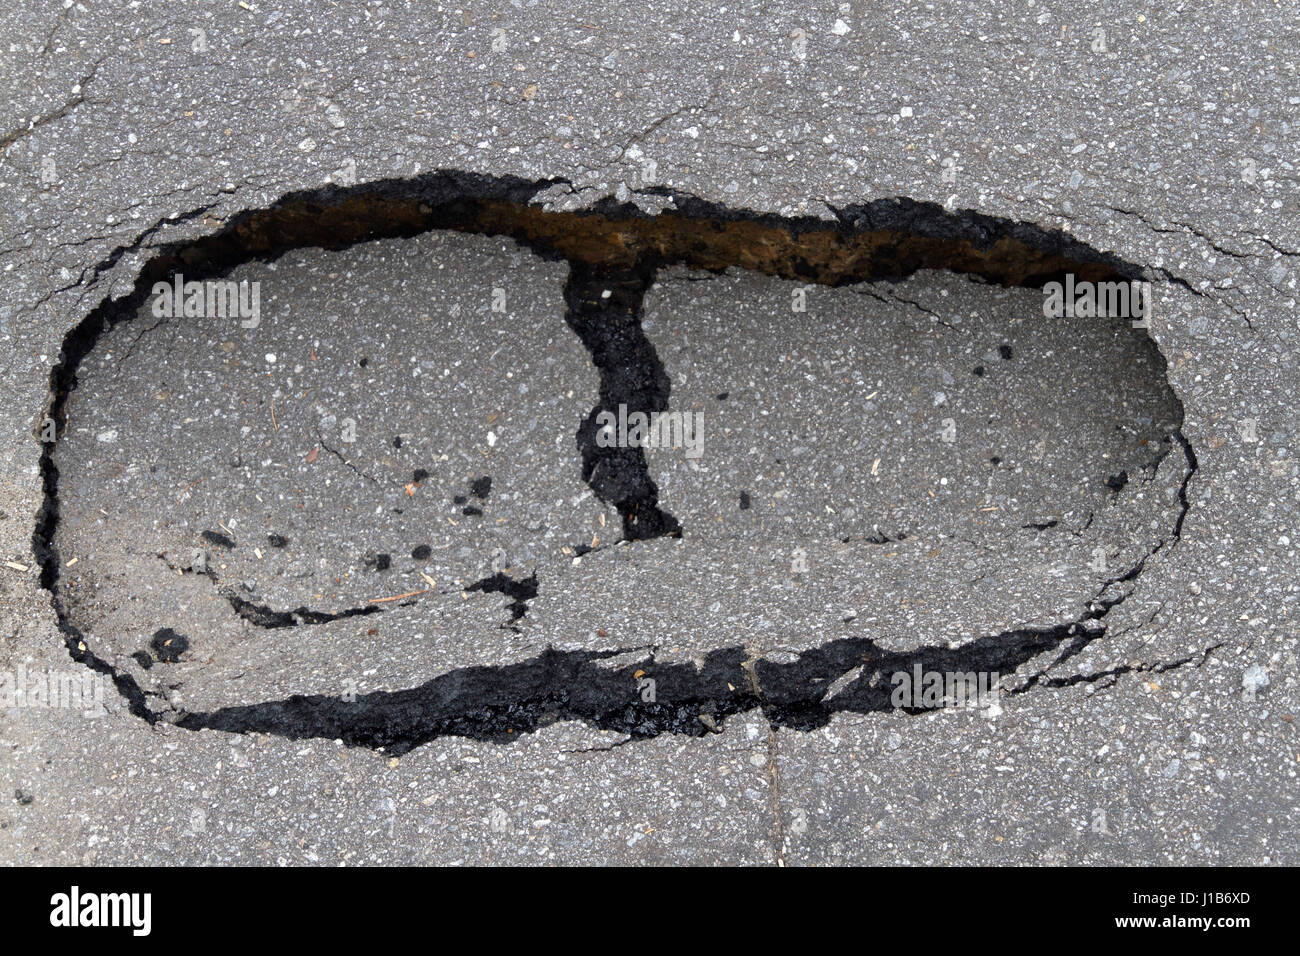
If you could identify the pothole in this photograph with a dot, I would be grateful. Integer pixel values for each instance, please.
(384, 510)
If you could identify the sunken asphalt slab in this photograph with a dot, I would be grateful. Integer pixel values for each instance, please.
(124, 129)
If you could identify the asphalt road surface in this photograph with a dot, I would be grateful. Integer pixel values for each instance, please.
(354, 556)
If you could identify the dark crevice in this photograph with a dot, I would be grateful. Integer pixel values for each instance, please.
(347, 463)
(1115, 673)
(264, 616)
(1192, 466)
(501, 703)
(604, 310)
(520, 591)
(616, 248)
(692, 698)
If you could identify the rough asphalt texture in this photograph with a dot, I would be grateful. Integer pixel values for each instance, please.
(1165, 139)
(442, 481)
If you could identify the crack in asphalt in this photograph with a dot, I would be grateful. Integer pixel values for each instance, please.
(614, 253)
(347, 463)
(1116, 672)
(520, 592)
(501, 703)
(1187, 229)
(604, 311)
(44, 119)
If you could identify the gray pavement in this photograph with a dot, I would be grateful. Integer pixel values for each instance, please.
(1147, 700)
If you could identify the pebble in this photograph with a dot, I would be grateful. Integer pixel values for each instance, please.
(1255, 678)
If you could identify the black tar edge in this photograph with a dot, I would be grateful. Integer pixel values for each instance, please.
(520, 592)
(500, 703)
(233, 906)
(604, 309)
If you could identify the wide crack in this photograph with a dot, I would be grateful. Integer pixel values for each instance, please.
(614, 254)
(500, 703)
(604, 309)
